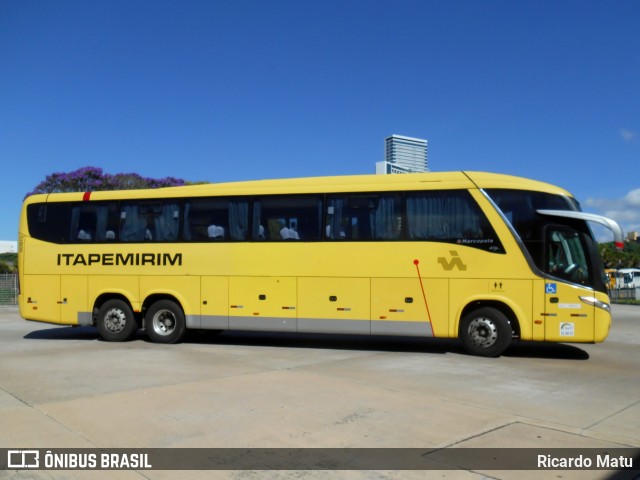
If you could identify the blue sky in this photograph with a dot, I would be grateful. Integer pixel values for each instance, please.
(248, 89)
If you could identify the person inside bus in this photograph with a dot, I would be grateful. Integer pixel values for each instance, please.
(84, 235)
(287, 233)
(215, 232)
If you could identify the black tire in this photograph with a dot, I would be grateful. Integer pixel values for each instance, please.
(164, 322)
(116, 322)
(486, 332)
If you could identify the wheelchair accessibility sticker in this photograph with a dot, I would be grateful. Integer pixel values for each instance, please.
(551, 288)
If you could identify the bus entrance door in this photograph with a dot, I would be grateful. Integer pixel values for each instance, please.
(567, 317)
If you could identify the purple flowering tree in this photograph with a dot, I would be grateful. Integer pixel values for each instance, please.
(92, 179)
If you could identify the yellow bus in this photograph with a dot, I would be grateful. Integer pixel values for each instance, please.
(614, 278)
(483, 257)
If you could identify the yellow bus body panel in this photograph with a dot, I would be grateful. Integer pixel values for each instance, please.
(602, 321)
(214, 295)
(399, 287)
(345, 302)
(41, 300)
(262, 303)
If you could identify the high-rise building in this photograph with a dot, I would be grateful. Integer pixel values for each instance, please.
(403, 155)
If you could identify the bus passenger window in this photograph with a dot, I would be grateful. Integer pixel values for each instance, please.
(450, 217)
(149, 221)
(133, 224)
(166, 223)
(49, 222)
(93, 222)
(362, 217)
(287, 218)
(215, 219)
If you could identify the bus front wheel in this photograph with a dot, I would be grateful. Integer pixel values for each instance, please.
(116, 322)
(164, 322)
(485, 332)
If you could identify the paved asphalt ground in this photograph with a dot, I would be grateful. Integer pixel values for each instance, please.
(64, 387)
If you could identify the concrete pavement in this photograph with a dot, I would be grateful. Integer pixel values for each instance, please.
(63, 387)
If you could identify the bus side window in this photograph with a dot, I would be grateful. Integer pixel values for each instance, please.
(450, 216)
(238, 219)
(133, 224)
(364, 217)
(150, 221)
(215, 219)
(93, 222)
(287, 218)
(166, 222)
(49, 221)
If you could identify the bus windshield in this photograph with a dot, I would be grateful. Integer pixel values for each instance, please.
(558, 246)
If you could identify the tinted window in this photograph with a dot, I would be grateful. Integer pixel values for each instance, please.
(519, 207)
(149, 221)
(449, 216)
(49, 222)
(439, 216)
(361, 217)
(216, 219)
(94, 222)
(566, 255)
(287, 218)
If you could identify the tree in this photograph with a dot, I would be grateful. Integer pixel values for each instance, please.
(613, 258)
(6, 268)
(8, 262)
(93, 179)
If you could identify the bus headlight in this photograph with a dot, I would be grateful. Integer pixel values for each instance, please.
(596, 303)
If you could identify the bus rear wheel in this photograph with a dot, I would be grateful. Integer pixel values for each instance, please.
(485, 332)
(164, 322)
(116, 322)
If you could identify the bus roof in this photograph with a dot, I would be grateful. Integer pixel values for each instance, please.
(329, 184)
